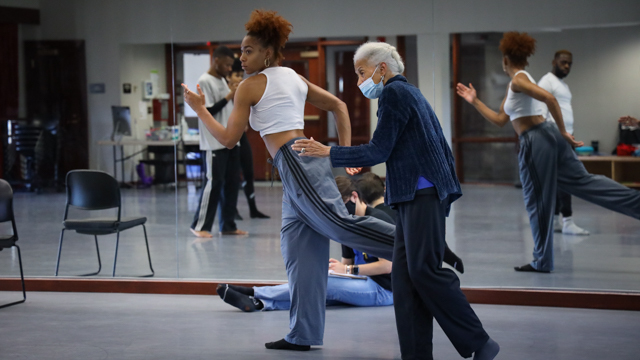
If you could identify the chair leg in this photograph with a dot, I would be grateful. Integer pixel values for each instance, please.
(59, 250)
(99, 262)
(24, 292)
(115, 257)
(146, 241)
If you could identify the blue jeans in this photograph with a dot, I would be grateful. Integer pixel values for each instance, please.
(339, 291)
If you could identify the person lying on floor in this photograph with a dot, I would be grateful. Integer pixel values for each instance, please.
(375, 290)
(372, 188)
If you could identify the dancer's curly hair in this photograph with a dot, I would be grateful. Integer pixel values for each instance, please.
(270, 29)
(517, 47)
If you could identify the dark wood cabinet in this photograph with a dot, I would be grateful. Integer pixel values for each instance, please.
(56, 89)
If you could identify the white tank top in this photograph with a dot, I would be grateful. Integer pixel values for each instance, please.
(520, 104)
(281, 107)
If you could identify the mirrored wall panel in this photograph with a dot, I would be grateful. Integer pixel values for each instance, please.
(95, 85)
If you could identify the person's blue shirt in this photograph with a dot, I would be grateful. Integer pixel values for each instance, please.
(423, 183)
(409, 139)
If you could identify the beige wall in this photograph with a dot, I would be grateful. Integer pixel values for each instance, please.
(604, 79)
(105, 25)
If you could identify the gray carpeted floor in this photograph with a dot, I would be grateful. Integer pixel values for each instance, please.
(125, 326)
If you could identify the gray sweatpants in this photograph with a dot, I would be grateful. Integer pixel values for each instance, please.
(547, 162)
(313, 213)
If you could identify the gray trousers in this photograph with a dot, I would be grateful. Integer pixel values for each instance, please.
(547, 163)
(313, 213)
(221, 188)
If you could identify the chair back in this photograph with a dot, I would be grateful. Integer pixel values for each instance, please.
(92, 190)
(6, 201)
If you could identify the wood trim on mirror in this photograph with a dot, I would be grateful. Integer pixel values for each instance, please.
(521, 297)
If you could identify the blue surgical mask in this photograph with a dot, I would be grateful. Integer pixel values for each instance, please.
(370, 89)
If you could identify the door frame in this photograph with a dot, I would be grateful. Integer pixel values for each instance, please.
(457, 138)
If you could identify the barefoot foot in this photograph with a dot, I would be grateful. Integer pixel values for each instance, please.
(235, 232)
(201, 234)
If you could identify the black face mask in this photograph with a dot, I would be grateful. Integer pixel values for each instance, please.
(351, 207)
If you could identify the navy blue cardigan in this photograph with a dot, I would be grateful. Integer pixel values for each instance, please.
(409, 139)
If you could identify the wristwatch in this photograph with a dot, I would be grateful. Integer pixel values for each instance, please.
(355, 270)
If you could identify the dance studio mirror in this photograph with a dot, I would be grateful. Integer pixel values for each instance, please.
(134, 59)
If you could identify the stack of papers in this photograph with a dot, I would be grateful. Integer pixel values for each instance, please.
(349, 276)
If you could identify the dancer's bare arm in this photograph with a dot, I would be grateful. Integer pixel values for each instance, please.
(469, 95)
(521, 83)
(324, 100)
(238, 119)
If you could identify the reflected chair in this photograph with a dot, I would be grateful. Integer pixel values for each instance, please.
(8, 241)
(97, 190)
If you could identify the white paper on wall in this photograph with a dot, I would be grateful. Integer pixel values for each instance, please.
(142, 109)
(194, 66)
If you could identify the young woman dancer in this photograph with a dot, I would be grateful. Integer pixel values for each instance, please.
(546, 157)
(273, 101)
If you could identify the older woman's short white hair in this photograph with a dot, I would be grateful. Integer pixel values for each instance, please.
(380, 52)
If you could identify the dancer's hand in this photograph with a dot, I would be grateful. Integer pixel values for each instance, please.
(310, 147)
(195, 101)
(467, 93)
(337, 266)
(352, 171)
(628, 121)
(571, 140)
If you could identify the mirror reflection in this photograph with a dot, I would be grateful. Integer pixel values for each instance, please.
(112, 101)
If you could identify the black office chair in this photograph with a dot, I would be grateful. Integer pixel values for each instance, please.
(6, 214)
(97, 190)
(20, 153)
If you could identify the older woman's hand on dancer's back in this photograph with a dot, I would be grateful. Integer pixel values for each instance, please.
(311, 147)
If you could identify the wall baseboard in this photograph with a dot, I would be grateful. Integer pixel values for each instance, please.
(495, 296)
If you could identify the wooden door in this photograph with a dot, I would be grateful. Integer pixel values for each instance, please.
(57, 94)
(484, 153)
(357, 104)
(347, 91)
(9, 85)
(305, 61)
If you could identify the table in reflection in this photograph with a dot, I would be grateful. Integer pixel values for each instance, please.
(164, 158)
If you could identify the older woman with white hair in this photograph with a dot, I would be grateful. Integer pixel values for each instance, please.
(421, 184)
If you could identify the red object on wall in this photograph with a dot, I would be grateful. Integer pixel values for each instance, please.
(160, 110)
(381, 38)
